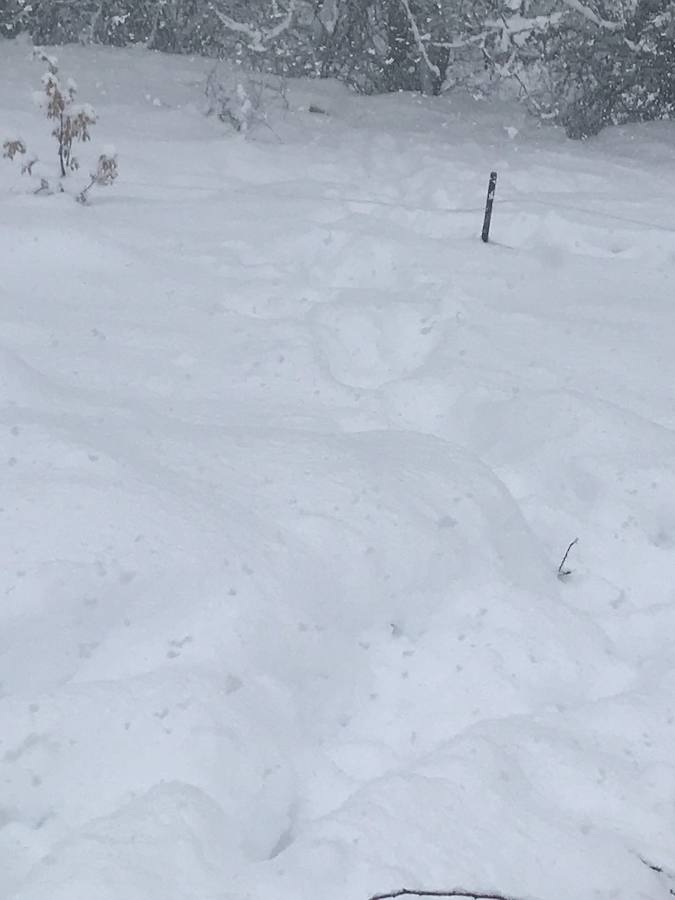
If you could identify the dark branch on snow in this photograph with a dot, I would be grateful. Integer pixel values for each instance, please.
(456, 892)
(562, 571)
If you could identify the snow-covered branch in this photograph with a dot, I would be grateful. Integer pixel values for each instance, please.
(515, 27)
(459, 43)
(258, 38)
(591, 16)
(433, 68)
(518, 24)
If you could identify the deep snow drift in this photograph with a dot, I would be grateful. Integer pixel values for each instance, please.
(290, 462)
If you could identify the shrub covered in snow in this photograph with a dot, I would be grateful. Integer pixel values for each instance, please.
(72, 124)
(243, 101)
(72, 120)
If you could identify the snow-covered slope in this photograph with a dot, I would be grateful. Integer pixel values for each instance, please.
(290, 462)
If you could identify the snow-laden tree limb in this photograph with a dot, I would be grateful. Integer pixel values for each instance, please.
(514, 26)
(588, 14)
(518, 24)
(459, 43)
(327, 12)
(433, 68)
(259, 38)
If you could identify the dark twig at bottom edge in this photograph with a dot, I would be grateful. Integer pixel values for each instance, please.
(456, 892)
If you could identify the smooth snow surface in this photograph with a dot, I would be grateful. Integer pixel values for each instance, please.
(290, 461)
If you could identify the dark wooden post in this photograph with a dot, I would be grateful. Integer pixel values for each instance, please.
(492, 187)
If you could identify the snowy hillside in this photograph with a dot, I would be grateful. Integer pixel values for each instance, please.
(290, 462)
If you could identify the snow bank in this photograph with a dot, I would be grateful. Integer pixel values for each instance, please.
(291, 462)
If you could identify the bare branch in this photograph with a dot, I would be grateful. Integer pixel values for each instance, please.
(456, 892)
(562, 571)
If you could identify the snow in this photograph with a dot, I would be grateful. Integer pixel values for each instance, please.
(291, 459)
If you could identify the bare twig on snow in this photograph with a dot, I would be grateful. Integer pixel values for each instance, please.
(562, 571)
(455, 892)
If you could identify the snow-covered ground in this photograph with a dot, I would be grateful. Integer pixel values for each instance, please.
(290, 461)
